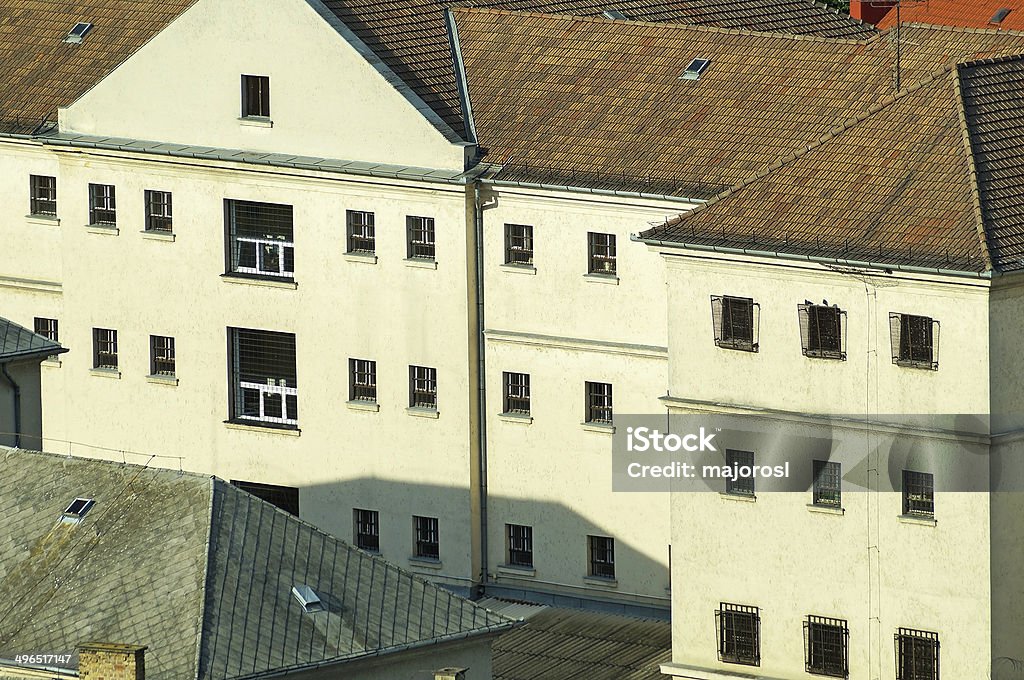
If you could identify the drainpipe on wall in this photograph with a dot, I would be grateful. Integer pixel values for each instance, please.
(17, 406)
(478, 219)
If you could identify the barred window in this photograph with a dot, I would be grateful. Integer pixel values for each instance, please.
(420, 238)
(516, 392)
(520, 545)
(48, 329)
(736, 322)
(284, 497)
(361, 235)
(914, 340)
(260, 239)
(158, 211)
(822, 331)
(42, 195)
(422, 387)
(739, 634)
(602, 556)
(918, 493)
(367, 529)
(826, 646)
(362, 384)
(599, 403)
(428, 544)
(601, 253)
(256, 96)
(917, 655)
(161, 355)
(828, 484)
(264, 387)
(104, 348)
(102, 205)
(741, 484)
(518, 244)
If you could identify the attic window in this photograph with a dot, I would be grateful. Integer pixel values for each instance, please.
(307, 598)
(76, 34)
(614, 14)
(696, 67)
(1000, 14)
(77, 510)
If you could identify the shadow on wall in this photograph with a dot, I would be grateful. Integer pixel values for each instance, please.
(1005, 668)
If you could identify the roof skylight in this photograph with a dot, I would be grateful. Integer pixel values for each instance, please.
(309, 600)
(78, 32)
(77, 510)
(614, 14)
(696, 67)
(1000, 14)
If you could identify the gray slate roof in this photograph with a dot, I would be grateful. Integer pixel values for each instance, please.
(199, 571)
(18, 342)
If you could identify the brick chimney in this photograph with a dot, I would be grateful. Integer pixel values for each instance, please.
(102, 661)
(869, 11)
(450, 674)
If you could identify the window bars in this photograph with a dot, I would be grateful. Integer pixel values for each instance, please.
(520, 545)
(427, 537)
(256, 96)
(367, 529)
(158, 211)
(161, 352)
(422, 387)
(822, 331)
(519, 244)
(362, 380)
(739, 634)
(739, 485)
(260, 239)
(601, 253)
(102, 205)
(602, 556)
(917, 655)
(918, 494)
(516, 390)
(360, 231)
(104, 348)
(264, 387)
(736, 321)
(420, 238)
(599, 403)
(915, 341)
(826, 646)
(827, 484)
(48, 328)
(42, 195)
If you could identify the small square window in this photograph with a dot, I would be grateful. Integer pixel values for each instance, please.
(362, 384)
(42, 195)
(826, 647)
(827, 484)
(422, 387)
(741, 462)
(360, 230)
(520, 545)
(917, 655)
(158, 211)
(420, 232)
(516, 392)
(739, 634)
(256, 96)
(46, 328)
(601, 550)
(736, 321)
(367, 529)
(104, 348)
(102, 205)
(601, 253)
(599, 403)
(918, 494)
(161, 355)
(427, 543)
(519, 244)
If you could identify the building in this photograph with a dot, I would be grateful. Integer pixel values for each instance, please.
(987, 14)
(21, 407)
(211, 581)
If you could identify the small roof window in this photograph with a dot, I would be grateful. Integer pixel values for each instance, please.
(77, 510)
(614, 14)
(78, 32)
(696, 67)
(309, 600)
(1000, 14)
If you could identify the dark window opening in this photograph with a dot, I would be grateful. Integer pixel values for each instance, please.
(516, 392)
(47, 328)
(827, 484)
(519, 244)
(102, 205)
(161, 353)
(520, 545)
(739, 634)
(918, 493)
(104, 348)
(602, 556)
(917, 655)
(42, 195)
(158, 211)
(260, 239)
(601, 253)
(599, 403)
(362, 384)
(367, 529)
(256, 96)
(420, 238)
(915, 341)
(741, 484)
(821, 331)
(361, 237)
(428, 543)
(264, 387)
(422, 387)
(284, 497)
(736, 322)
(826, 646)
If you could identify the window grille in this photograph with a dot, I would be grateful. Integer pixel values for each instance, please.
(158, 211)
(420, 241)
(102, 205)
(520, 545)
(739, 634)
(602, 556)
(260, 239)
(264, 388)
(367, 529)
(361, 235)
(736, 321)
(827, 484)
(742, 486)
(42, 195)
(161, 350)
(599, 403)
(826, 647)
(256, 96)
(918, 493)
(48, 329)
(917, 655)
(823, 331)
(427, 537)
(517, 392)
(104, 348)
(422, 387)
(362, 380)
(284, 497)
(601, 253)
(914, 340)
(518, 244)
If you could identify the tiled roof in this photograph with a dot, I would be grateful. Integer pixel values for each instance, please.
(968, 13)
(18, 342)
(166, 557)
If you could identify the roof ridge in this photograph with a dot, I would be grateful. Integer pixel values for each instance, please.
(7, 450)
(992, 60)
(471, 9)
(958, 29)
(972, 170)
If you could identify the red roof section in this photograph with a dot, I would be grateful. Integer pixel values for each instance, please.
(967, 13)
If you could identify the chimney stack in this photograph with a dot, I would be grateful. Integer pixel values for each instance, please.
(102, 661)
(450, 674)
(869, 11)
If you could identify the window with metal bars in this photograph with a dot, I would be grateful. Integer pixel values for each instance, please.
(516, 392)
(739, 485)
(256, 96)
(602, 556)
(360, 230)
(600, 253)
(367, 529)
(104, 348)
(739, 634)
(158, 211)
(422, 387)
(420, 238)
(599, 403)
(822, 331)
(917, 655)
(264, 387)
(260, 239)
(42, 195)
(362, 380)
(48, 329)
(914, 340)
(102, 205)
(519, 244)
(735, 321)
(826, 646)
(827, 484)
(161, 355)
(428, 543)
(918, 493)
(284, 497)
(520, 545)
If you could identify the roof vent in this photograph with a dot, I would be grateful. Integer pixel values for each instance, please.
(696, 67)
(614, 14)
(1000, 14)
(77, 510)
(76, 34)
(309, 600)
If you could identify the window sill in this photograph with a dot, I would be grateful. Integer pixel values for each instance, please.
(514, 570)
(603, 428)
(101, 229)
(610, 279)
(917, 519)
(601, 581)
(256, 121)
(358, 405)
(420, 412)
(363, 258)
(519, 418)
(425, 562)
(51, 220)
(518, 268)
(158, 235)
(420, 263)
(266, 429)
(826, 509)
(162, 380)
(743, 498)
(51, 363)
(256, 281)
(105, 373)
